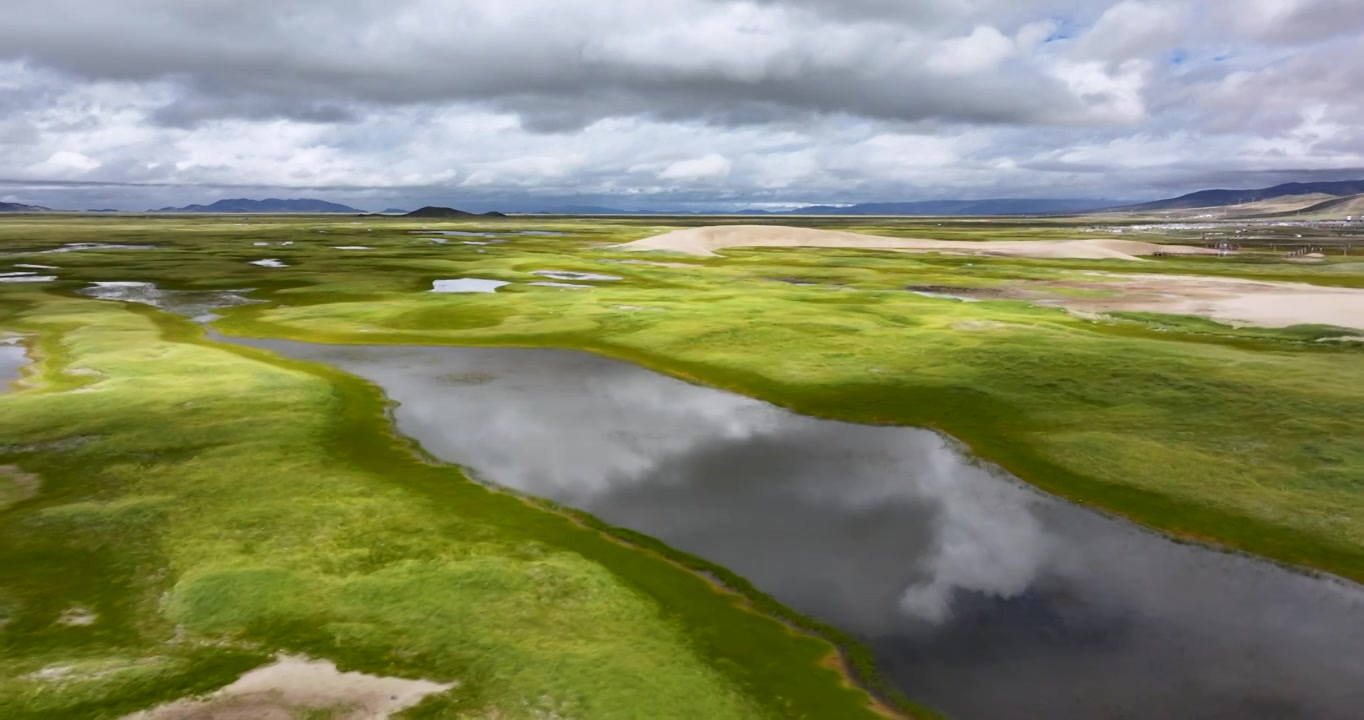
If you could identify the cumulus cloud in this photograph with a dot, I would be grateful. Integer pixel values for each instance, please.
(984, 49)
(63, 163)
(682, 100)
(1135, 29)
(708, 166)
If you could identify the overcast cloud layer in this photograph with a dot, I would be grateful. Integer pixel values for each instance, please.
(671, 102)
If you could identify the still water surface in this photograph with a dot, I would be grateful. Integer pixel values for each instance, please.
(13, 356)
(979, 596)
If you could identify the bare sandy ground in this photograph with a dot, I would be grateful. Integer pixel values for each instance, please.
(16, 485)
(705, 241)
(1235, 301)
(292, 687)
(685, 266)
(77, 616)
(1232, 300)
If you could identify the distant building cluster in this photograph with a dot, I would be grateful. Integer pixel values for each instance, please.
(1204, 226)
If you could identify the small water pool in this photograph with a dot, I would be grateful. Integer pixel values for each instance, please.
(197, 304)
(13, 357)
(561, 285)
(467, 285)
(571, 275)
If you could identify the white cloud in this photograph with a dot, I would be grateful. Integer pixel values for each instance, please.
(1136, 29)
(982, 50)
(1110, 94)
(62, 164)
(781, 170)
(706, 166)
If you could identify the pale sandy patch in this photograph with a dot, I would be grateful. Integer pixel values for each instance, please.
(90, 669)
(687, 266)
(1233, 300)
(292, 686)
(979, 325)
(77, 616)
(52, 672)
(16, 485)
(706, 240)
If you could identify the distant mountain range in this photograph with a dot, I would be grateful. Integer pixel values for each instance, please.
(1316, 197)
(592, 210)
(998, 206)
(1296, 198)
(995, 206)
(1222, 198)
(435, 211)
(20, 207)
(269, 205)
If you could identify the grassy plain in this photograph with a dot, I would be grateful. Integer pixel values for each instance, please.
(212, 504)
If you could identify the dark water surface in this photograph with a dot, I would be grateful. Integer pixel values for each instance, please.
(979, 596)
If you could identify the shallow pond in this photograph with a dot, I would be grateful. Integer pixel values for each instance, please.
(488, 234)
(467, 285)
(561, 285)
(13, 356)
(78, 247)
(571, 275)
(944, 296)
(979, 596)
(452, 233)
(196, 304)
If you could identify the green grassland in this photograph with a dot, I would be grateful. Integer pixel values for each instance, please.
(210, 506)
(213, 504)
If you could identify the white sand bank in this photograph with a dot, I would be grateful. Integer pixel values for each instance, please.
(292, 687)
(706, 240)
(1232, 300)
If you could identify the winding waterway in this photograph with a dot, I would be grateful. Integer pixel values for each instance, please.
(978, 595)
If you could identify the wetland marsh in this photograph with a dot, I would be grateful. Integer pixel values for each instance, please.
(978, 595)
(208, 505)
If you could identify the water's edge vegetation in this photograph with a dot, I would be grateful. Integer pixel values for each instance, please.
(986, 430)
(852, 659)
(775, 658)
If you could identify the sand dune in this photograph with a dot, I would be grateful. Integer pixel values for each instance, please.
(706, 240)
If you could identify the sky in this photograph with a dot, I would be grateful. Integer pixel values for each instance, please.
(674, 104)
